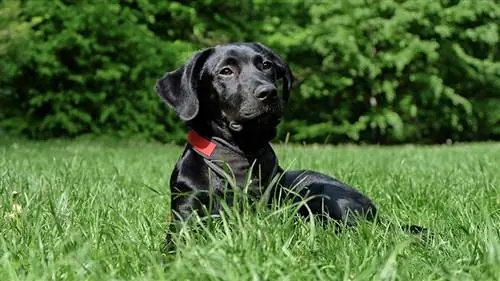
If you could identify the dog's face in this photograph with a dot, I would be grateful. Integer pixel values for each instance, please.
(243, 80)
(238, 86)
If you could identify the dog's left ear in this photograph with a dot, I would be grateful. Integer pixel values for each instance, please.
(284, 71)
(179, 87)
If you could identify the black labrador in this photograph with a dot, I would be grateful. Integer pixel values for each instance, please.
(228, 95)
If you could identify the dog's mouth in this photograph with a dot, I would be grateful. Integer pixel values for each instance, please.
(270, 117)
(269, 112)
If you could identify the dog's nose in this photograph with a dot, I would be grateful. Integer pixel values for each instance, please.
(266, 92)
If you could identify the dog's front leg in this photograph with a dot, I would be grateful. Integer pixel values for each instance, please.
(189, 208)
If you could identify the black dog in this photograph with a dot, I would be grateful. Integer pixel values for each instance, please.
(228, 96)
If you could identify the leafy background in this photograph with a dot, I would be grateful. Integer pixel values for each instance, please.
(388, 71)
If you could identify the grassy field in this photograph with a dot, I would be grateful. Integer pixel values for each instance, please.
(89, 210)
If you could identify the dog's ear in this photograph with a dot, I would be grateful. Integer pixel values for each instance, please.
(284, 71)
(179, 87)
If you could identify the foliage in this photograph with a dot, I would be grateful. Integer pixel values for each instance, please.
(396, 71)
(91, 70)
(14, 36)
(379, 71)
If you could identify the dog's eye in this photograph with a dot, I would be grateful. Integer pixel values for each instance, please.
(267, 65)
(226, 71)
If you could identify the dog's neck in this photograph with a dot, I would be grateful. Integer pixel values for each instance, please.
(249, 140)
(234, 164)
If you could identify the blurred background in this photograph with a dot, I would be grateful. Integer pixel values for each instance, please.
(387, 72)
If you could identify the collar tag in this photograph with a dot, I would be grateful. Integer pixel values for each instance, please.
(201, 144)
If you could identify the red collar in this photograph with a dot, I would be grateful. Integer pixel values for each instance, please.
(201, 144)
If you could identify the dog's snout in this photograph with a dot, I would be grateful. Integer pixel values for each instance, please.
(263, 93)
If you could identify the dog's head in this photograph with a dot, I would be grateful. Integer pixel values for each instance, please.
(234, 87)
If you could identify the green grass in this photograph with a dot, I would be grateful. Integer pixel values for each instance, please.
(97, 211)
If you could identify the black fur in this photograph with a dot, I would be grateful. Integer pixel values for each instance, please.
(231, 93)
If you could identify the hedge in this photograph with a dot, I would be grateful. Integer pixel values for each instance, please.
(367, 71)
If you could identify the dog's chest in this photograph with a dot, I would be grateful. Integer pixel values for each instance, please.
(231, 167)
(252, 171)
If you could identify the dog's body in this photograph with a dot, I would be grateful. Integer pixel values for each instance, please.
(228, 96)
(202, 175)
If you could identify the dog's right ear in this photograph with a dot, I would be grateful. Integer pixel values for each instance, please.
(179, 87)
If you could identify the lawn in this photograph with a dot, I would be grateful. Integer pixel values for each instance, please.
(97, 210)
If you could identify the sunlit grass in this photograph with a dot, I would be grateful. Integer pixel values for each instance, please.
(90, 210)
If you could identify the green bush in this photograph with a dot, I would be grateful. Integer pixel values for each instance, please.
(91, 70)
(368, 71)
(14, 36)
(395, 71)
